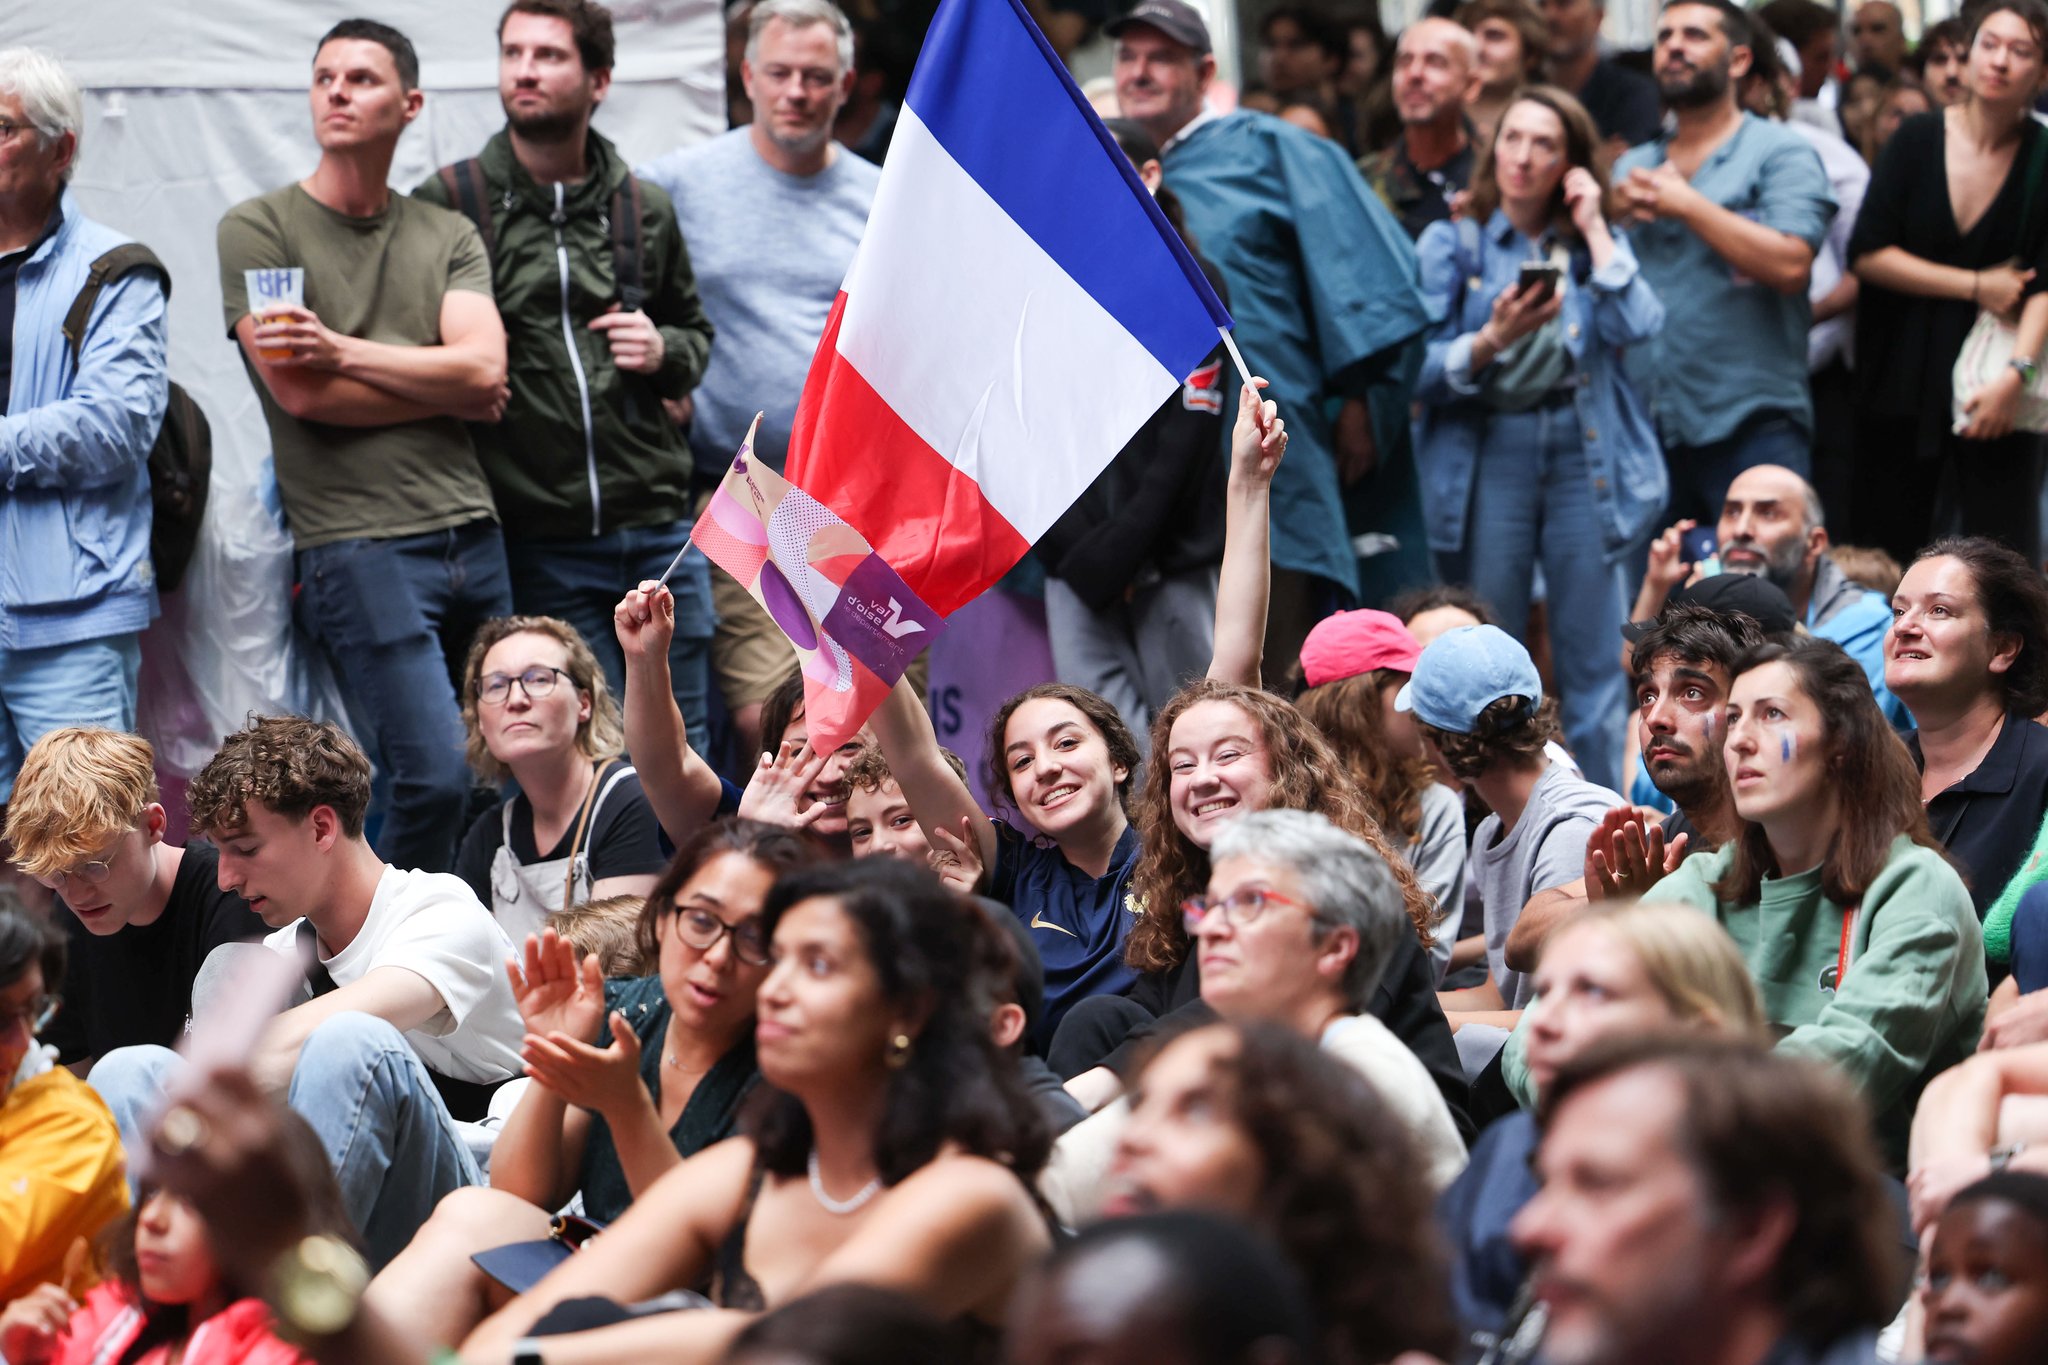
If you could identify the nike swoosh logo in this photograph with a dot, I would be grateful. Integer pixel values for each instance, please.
(1039, 921)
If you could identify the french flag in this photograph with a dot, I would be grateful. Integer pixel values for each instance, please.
(1017, 309)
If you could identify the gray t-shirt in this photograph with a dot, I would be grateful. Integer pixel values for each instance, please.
(770, 251)
(1546, 848)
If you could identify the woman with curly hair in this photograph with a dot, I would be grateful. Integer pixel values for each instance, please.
(1219, 752)
(1259, 1124)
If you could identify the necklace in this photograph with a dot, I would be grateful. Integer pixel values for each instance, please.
(841, 1207)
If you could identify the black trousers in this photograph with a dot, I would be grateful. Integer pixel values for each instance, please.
(1903, 498)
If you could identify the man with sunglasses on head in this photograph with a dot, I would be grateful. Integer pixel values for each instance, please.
(60, 1153)
(86, 821)
(411, 1024)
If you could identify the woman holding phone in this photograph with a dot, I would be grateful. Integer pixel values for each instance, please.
(1532, 444)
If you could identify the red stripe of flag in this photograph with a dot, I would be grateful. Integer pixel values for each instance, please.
(928, 520)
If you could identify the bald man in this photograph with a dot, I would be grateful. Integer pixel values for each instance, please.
(1772, 525)
(1436, 74)
(1877, 36)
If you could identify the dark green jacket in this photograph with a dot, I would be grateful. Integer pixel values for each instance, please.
(543, 458)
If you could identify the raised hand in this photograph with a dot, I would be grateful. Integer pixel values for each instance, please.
(645, 621)
(33, 1324)
(1258, 439)
(605, 1080)
(775, 794)
(956, 856)
(554, 993)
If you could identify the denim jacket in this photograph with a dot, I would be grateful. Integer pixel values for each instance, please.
(74, 447)
(1464, 268)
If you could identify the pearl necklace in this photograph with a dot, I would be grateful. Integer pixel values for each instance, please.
(841, 1207)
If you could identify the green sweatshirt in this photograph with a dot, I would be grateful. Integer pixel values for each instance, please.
(1911, 1003)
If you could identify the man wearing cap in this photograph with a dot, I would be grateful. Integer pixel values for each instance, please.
(1323, 285)
(1482, 710)
(1773, 528)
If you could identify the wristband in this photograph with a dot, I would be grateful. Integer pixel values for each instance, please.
(2027, 369)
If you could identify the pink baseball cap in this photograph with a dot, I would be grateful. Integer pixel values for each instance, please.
(1355, 642)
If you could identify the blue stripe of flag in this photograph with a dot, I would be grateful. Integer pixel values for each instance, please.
(999, 101)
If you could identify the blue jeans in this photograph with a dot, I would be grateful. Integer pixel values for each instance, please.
(1532, 501)
(91, 682)
(581, 582)
(395, 618)
(363, 1090)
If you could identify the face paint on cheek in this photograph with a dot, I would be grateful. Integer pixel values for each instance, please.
(1787, 746)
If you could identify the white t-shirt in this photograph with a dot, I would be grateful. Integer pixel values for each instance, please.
(432, 924)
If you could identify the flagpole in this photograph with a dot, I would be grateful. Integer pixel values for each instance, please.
(1236, 356)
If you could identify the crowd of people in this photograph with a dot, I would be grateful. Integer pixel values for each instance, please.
(1625, 943)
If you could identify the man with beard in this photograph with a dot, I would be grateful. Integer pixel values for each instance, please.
(1623, 104)
(592, 480)
(1772, 525)
(1682, 666)
(1435, 74)
(1726, 212)
(773, 212)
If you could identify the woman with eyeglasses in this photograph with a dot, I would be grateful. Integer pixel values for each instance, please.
(630, 1077)
(537, 710)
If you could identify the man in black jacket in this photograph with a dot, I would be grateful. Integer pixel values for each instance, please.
(602, 321)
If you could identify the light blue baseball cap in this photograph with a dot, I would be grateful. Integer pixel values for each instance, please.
(1463, 672)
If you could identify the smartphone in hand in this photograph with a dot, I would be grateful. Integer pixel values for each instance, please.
(1542, 278)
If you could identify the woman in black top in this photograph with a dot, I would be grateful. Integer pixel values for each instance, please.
(1947, 228)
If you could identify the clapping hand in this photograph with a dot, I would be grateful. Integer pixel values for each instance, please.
(554, 993)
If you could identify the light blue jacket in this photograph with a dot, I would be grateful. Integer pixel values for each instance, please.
(74, 446)
(1465, 266)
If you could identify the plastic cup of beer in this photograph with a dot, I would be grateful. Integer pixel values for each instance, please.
(270, 289)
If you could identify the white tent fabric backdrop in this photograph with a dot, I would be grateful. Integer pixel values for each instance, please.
(195, 105)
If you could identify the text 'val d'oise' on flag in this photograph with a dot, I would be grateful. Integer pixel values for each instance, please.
(1017, 309)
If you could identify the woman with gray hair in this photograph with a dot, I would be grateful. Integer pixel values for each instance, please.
(1299, 921)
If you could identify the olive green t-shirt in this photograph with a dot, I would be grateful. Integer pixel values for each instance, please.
(381, 278)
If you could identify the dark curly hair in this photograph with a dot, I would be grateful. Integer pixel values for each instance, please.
(1340, 1195)
(774, 847)
(289, 763)
(1509, 730)
(1123, 750)
(955, 1087)
(1306, 775)
(2014, 597)
(1865, 756)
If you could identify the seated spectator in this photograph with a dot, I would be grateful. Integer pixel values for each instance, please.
(60, 1152)
(608, 930)
(879, 821)
(1682, 665)
(1700, 1191)
(87, 822)
(847, 1324)
(1985, 1294)
(412, 1024)
(169, 1301)
(1857, 928)
(1251, 1122)
(1968, 654)
(1772, 526)
(1429, 612)
(1164, 1289)
(1621, 968)
(1298, 925)
(578, 826)
(630, 1077)
(81, 414)
(1352, 664)
(888, 1092)
(1871, 568)
(1482, 709)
